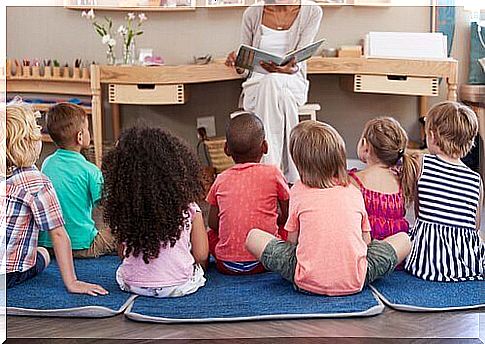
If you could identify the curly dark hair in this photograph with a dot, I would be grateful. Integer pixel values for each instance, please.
(151, 177)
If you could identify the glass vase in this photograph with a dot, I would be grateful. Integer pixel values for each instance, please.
(110, 57)
(129, 53)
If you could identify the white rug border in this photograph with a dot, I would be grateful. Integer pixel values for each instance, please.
(75, 312)
(411, 308)
(375, 310)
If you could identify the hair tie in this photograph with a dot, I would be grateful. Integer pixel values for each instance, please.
(400, 153)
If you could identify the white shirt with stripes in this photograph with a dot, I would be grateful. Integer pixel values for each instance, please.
(446, 244)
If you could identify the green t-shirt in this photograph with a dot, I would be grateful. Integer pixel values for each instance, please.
(78, 185)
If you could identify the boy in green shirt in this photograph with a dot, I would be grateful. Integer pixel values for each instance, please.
(78, 183)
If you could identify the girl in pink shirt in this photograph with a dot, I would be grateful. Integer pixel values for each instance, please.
(152, 180)
(329, 250)
(388, 180)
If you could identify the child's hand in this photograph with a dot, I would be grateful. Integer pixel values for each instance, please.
(80, 287)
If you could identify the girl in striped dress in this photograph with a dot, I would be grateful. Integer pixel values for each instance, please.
(446, 241)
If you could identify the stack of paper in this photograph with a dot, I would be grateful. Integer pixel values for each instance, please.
(405, 45)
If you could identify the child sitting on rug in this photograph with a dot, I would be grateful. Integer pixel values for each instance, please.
(31, 206)
(446, 242)
(388, 181)
(78, 182)
(152, 180)
(244, 197)
(329, 250)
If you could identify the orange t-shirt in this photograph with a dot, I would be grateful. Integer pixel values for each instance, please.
(331, 253)
(247, 196)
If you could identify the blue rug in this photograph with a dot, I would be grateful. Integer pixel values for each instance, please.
(45, 295)
(405, 292)
(258, 297)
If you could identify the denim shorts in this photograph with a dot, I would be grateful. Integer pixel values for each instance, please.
(14, 278)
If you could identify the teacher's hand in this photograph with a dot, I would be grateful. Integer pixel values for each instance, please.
(289, 68)
(231, 62)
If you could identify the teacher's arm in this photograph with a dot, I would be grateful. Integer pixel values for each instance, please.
(309, 31)
(247, 33)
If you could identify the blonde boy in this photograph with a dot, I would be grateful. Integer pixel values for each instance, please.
(31, 206)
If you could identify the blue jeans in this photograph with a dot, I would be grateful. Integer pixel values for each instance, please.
(14, 278)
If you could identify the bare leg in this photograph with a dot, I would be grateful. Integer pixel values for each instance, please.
(47, 258)
(401, 244)
(256, 242)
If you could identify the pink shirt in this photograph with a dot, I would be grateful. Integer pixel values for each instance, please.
(174, 265)
(247, 196)
(331, 254)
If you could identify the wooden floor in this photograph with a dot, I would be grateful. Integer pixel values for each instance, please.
(389, 327)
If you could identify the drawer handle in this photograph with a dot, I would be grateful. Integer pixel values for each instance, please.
(145, 86)
(397, 77)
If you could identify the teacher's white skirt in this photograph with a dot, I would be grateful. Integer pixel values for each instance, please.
(275, 98)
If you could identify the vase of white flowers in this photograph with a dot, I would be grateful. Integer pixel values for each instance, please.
(105, 31)
(129, 32)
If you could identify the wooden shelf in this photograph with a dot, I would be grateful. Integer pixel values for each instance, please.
(46, 106)
(134, 9)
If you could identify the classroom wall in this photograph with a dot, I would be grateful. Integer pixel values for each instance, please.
(56, 32)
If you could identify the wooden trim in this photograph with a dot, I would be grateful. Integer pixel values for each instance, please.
(48, 86)
(97, 117)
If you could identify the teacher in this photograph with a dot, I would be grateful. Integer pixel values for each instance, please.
(278, 27)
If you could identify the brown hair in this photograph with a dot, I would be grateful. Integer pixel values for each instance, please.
(388, 141)
(22, 136)
(64, 121)
(318, 151)
(454, 126)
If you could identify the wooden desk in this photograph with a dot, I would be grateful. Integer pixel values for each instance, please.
(217, 71)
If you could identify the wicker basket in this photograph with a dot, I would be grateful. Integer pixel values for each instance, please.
(218, 159)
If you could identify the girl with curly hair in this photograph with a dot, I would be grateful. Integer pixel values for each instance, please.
(152, 181)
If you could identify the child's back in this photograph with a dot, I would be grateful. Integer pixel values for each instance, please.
(244, 197)
(388, 180)
(78, 182)
(331, 251)
(78, 185)
(446, 241)
(447, 245)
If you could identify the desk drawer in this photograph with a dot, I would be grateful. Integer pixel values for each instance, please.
(147, 94)
(395, 84)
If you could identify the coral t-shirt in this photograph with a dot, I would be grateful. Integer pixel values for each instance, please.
(247, 196)
(331, 253)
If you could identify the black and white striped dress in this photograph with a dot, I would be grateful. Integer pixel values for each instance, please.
(446, 244)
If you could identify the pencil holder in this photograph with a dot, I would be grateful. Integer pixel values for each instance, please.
(47, 72)
(35, 71)
(76, 73)
(66, 72)
(26, 71)
(85, 73)
(56, 72)
(8, 68)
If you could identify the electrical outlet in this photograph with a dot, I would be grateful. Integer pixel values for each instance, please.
(209, 123)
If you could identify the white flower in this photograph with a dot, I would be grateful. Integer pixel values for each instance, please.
(131, 16)
(122, 30)
(112, 42)
(142, 17)
(106, 39)
(90, 14)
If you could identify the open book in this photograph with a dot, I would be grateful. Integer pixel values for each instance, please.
(249, 57)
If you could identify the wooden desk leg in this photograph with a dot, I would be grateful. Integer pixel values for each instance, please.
(423, 110)
(97, 114)
(452, 86)
(116, 121)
